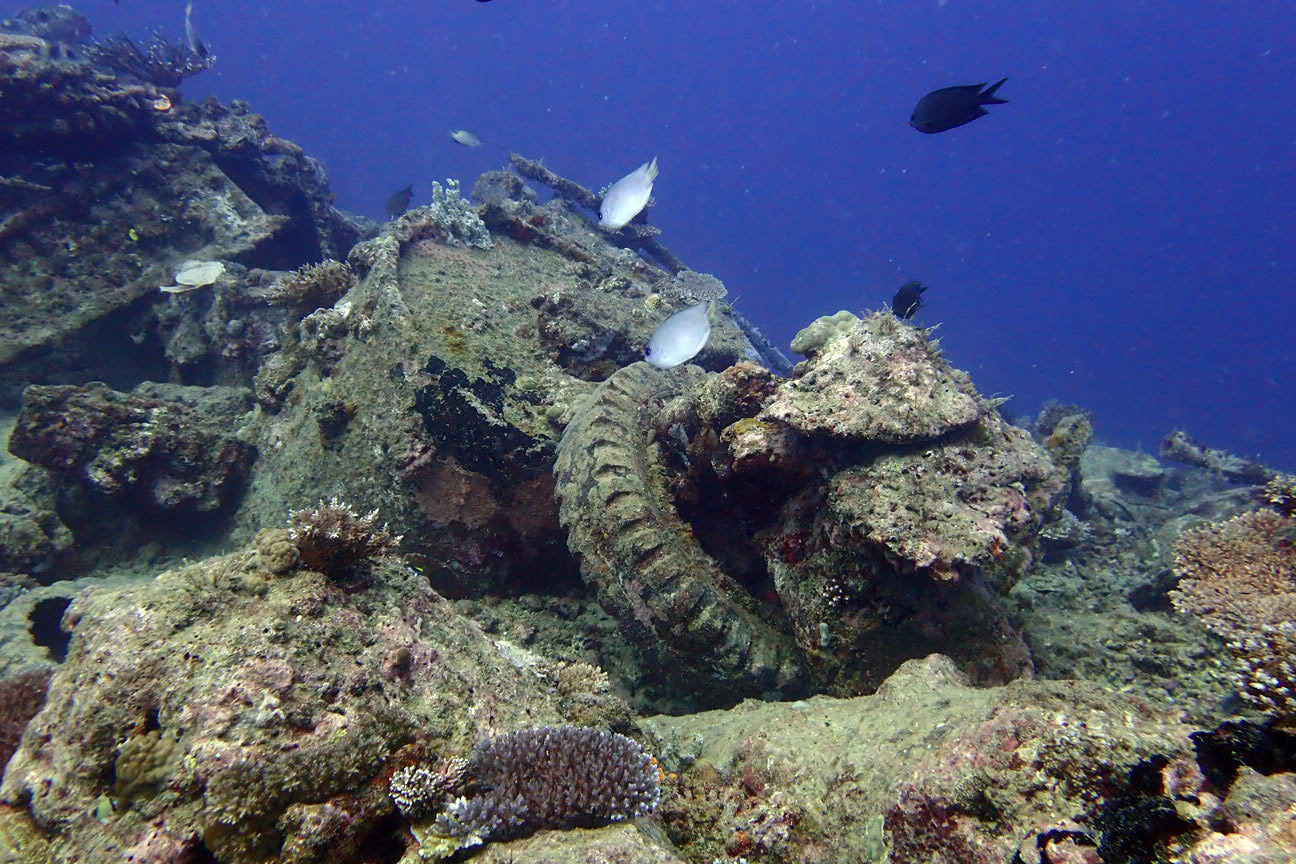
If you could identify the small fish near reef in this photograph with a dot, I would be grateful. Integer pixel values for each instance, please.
(627, 197)
(466, 138)
(908, 300)
(197, 46)
(399, 202)
(192, 275)
(680, 337)
(950, 107)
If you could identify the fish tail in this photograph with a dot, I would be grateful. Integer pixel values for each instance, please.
(651, 170)
(988, 96)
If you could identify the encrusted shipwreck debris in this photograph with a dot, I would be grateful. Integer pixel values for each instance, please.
(151, 452)
(110, 179)
(884, 497)
(639, 554)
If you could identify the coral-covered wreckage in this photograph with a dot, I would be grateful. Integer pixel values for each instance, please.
(381, 545)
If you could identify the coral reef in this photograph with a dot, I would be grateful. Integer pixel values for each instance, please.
(926, 769)
(110, 182)
(470, 372)
(251, 718)
(1238, 578)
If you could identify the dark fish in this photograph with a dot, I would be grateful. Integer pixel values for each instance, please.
(399, 203)
(949, 107)
(908, 300)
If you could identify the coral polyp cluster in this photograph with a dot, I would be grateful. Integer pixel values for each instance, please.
(333, 539)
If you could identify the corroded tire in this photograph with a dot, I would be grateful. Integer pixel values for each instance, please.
(696, 622)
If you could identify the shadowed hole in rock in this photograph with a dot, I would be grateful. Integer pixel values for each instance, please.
(45, 618)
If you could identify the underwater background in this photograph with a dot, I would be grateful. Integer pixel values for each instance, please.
(342, 521)
(1117, 236)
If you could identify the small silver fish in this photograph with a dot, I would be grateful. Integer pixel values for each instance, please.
(197, 46)
(627, 197)
(466, 138)
(680, 337)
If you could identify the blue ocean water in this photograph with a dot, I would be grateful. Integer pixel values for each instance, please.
(1120, 235)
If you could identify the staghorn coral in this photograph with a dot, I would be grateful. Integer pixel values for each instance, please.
(476, 820)
(1238, 577)
(334, 540)
(419, 790)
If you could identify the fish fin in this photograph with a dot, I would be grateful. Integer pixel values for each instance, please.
(650, 170)
(988, 96)
(977, 111)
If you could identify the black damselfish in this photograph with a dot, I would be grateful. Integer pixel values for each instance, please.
(950, 107)
(399, 203)
(908, 300)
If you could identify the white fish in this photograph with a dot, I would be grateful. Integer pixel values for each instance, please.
(680, 337)
(197, 46)
(466, 138)
(194, 274)
(627, 197)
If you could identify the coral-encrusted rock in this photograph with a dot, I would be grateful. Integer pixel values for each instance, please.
(156, 454)
(958, 505)
(927, 769)
(249, 719)
(881, 380)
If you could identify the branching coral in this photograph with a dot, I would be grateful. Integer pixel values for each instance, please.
(158, 61)
(419, 790)
(334, 540)
(570, 776)
(313, 286)
(533, 779)
(1239, 579)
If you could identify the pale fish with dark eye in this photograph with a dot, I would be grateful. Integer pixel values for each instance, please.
(680, 337)
(466, 138)
(627, 197)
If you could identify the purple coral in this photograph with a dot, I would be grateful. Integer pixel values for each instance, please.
(555, 777)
